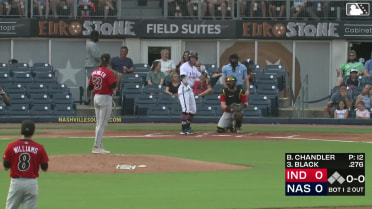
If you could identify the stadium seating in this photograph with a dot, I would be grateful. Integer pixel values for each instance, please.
(217, 89)
(143, 102)
(3, 111)
(14, 88)
(40, 99)
(41, 110)
(5, 77)
(252, 111)
(64, 110)
(20, 67)
(158, 110)
(42, 67)
(132, 78)
(19, 99)
(212, 99)
(18, 109)
(4, 67)
(175, 111)
(262, 102)
(36, 89)
(45, 77)
(56, 88)
(168, 100)
(62, 98)
(153, 89)
(22, 77)
(206, 110)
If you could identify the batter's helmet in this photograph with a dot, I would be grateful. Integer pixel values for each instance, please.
(193, 54)
(28, 128)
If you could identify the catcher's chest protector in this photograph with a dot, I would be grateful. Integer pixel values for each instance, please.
(232, 97)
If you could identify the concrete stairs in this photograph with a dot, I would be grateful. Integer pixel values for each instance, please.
(140, 9)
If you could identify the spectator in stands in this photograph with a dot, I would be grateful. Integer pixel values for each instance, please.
(297, 8)
(365, 96)
(341, 112)
(106, 6)
(352, 81)
(122, 63)
(202, 87)
(92, 58)
(21, 7)
(249, 64)
(184, 58)
(254, 6)
(312, 6)
(4, 99)
(12, 61)
(190, 7)
(176, 7)
(362, 112)
(155, 76)
(368, 68)
(238, 70)
(5, 4)
(336, 97)
(216, 78)
(70, 4)
(273, 6)
(351, 63)
(213, 4)
(172, 87)
(86, 9)
(167, 65)
(42, 5)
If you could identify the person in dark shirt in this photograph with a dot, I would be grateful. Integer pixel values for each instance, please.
(172, 87)
(352, 81)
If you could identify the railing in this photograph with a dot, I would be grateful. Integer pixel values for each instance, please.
(299, 104)
(258, 9)
(61, 9)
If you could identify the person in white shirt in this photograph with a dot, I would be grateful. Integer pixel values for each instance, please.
(167, 65)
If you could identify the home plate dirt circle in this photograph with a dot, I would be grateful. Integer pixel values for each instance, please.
(102, 163)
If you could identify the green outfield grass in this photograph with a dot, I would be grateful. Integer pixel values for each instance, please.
(262, 186)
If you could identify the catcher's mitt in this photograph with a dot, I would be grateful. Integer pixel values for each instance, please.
(236, 107)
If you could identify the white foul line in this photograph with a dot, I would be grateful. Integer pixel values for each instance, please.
(328, 140)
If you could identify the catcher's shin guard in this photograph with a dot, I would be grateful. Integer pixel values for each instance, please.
(238, 118)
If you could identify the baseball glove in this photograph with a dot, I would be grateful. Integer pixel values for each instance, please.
(237, 115)
(236, 107)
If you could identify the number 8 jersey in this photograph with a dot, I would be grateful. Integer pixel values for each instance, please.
(25, 158)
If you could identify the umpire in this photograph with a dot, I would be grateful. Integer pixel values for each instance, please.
(233, 100)
(237, 70)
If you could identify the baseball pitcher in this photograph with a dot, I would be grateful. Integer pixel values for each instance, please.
(233, 100)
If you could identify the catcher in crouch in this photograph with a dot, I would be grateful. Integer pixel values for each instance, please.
(233, 100)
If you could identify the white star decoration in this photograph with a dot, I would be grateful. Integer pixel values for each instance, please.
(275, 63)
(67, 75)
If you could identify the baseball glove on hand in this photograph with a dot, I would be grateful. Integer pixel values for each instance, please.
(236, 107)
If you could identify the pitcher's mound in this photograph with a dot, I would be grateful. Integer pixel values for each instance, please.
(101, 163)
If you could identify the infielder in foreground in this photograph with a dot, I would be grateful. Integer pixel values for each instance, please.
(233, 100)
(102, 82)
(24, 157)
(188, 75)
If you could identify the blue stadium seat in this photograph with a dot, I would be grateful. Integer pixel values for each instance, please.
(42, 67)
(36, 89)
(20, 67)
(19, 110)
(153, 89)
(168, 100)
(40, 99)
(19, 99)
(175, 110)
(3, 111)
(62, 98)
(45, 77)
(252, 89)
(143, 102)
(252, 111)
(41, 109)
(141, 68)
(64, 110)
(212, 99)
(158, 110)
(5, 77)
(132, 78)
(24, 78)
(262, 102)
(217, 89)
(14, 88)
(57, 88)
(206, 110)
(4, 67)
(198, 100)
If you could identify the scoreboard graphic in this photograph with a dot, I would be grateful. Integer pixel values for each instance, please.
(325, 174)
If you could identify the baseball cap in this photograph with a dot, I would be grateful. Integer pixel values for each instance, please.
(353, 70)
(352, 52)
(28, 128)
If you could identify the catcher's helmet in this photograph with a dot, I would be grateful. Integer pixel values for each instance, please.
(28, 128)
(231, 82)
(193, 54)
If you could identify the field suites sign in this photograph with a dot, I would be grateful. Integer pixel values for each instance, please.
(186, 29)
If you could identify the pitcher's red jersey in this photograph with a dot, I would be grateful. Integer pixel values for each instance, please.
(102, 79)
(25, 158)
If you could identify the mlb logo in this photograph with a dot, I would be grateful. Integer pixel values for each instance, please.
(357, 9)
